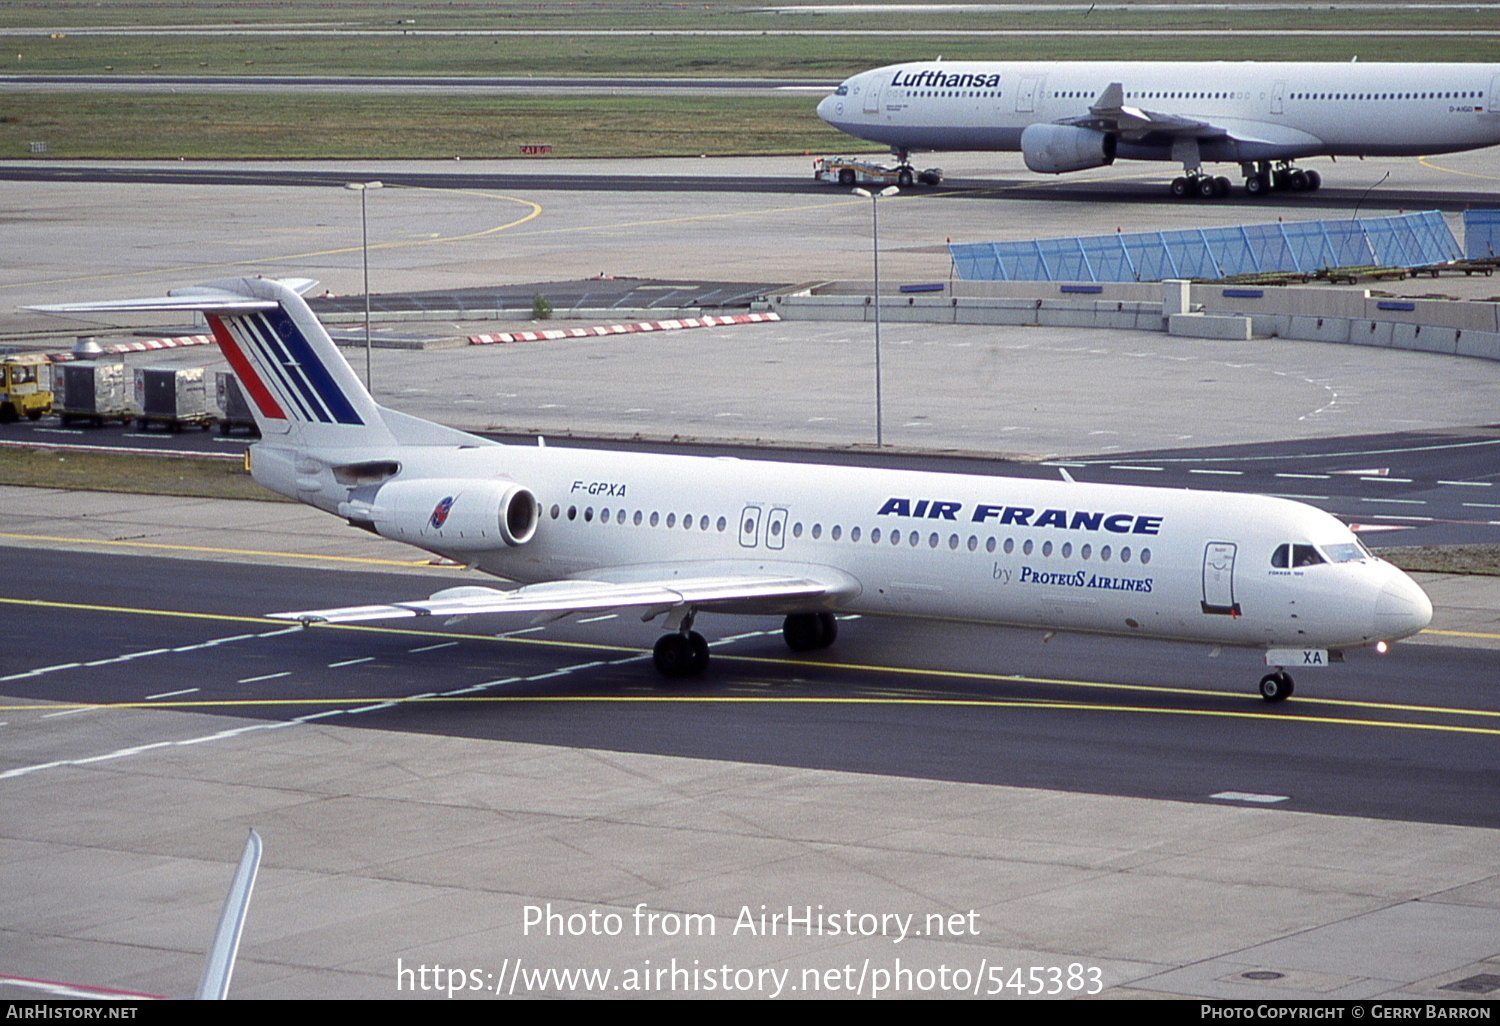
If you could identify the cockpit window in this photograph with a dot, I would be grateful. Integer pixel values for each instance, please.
(842, 90)
(1305, 555)
(1346, 552)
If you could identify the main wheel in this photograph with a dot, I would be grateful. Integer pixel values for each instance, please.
(1276, 687)
(1314, 180)
(1257, 185)
(676, 656)
(806, 632)
(1207, 187)
(700, 652)
(846, 176)
(1181, 188)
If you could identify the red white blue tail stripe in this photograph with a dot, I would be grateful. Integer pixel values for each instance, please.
(279, 368)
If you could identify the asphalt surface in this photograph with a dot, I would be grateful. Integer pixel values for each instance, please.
(1334, 196)
(1407, 736)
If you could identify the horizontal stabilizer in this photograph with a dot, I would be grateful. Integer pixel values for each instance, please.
(227, 296)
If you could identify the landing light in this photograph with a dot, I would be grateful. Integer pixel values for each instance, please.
(1382, 647)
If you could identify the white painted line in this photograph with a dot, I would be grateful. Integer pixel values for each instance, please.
(69, 712)
(1304, 498)
(1468, 484)
(269, 676)
(350, 662)
(371, 708)
(1482, 505)
(597, 619)
(128, 656)
(170, 694)
(433, 648)
(1408, 502)
(524, 630)
(1249, 796)
(1227, 473)
(1389, 480)
(1123, 466)
(1309, 477)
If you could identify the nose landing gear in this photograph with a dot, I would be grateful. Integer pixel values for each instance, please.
(1276, 687)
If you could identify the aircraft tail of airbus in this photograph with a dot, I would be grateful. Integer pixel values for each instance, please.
(674, 537)
(1069, 116)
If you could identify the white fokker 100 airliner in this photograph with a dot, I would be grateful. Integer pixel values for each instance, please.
(676, 536)
(1068, 116)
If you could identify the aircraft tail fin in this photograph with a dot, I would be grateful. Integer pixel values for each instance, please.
(301, 389)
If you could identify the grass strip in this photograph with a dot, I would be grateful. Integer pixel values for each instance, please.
(77, 470)
(141, 126)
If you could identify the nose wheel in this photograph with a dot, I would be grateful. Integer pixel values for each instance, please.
(1276, 687)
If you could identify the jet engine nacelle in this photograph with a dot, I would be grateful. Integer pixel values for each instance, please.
(456, 514)
(1053, 149)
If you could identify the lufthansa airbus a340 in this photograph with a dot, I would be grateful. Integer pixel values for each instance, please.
(675, 537)
(1067, 116)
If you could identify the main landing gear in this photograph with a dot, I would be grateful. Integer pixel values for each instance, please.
(1276, 687)
(1260, 180)
(684, 652)
(1199, 186)
(680, 654)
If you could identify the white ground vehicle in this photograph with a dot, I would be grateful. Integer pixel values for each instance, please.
(848, 171)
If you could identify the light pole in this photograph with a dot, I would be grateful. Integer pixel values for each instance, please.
(875, 198)
(364, 233)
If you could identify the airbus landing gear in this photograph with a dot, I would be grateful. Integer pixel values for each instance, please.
(1263, 178)
(1276, 687)
(1199, 186)
(680, 654)
(806, 632)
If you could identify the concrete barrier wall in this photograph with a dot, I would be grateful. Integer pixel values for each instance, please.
(1348, 317)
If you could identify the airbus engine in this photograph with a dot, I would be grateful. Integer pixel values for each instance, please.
(1053, 149)
(456, 515)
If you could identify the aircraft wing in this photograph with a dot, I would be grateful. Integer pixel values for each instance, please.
(1110, 114)
(782, 587)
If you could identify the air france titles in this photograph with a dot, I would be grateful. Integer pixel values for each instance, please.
(1023, 516)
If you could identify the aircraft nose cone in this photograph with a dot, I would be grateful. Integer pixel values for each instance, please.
(1402, 609)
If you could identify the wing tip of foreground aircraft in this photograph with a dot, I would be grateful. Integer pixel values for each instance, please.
(672, 536)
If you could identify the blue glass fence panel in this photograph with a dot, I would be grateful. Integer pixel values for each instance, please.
(1481, 234)
(1407, 240)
